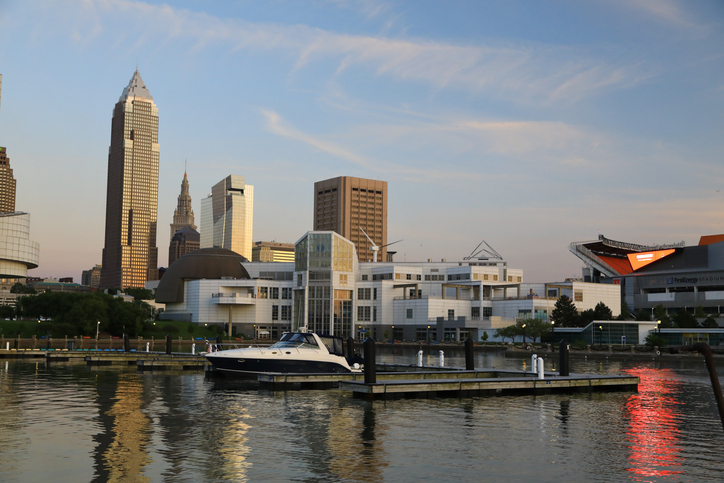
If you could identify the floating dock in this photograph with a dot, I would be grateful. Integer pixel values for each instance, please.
(501, 383)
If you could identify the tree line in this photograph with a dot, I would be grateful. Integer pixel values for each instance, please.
(79, 313)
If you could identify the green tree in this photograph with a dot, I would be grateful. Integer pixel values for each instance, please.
(710, 323)
(20, 288)
(534, 328)
(661, 314)
(139, 293)
(626, 313)
(684, 319)
(602, 312)
(8, 312)
(484, 337)
(586, 317)
(565, 313)
(699, 313)
(507, 332)
(655, 340)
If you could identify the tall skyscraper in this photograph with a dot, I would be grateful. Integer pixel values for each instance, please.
(7, 184)
(346, 204)
(227, 216)
(130, 256)
(183, 215)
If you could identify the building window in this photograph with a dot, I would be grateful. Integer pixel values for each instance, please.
(451, 314)
(364, 277)
(275, 292)
(374, 313)
(363, 313)
(475, 313)
(487, 312)
(409, 313)
(263, 292)
(286, 293)
(495, 278)
(343, 278)
(485, 276)
(275, 312)
(578, 296)
(286, 312)
(408, 276)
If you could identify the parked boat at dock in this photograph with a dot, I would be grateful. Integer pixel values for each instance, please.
(295, 352)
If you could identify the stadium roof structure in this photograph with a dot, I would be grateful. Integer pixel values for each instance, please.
(614, 258)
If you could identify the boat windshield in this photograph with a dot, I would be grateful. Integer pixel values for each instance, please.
(295, 339)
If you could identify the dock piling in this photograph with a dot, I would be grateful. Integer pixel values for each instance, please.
(564, 366)
(370, 361)
(126, 343)
(168, 343)
(534, 363)
(419, 358)
(469, 357)
(442, 359)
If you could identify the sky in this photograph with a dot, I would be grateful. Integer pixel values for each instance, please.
(527, 124)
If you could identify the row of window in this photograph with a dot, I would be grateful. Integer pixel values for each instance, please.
(273, 293)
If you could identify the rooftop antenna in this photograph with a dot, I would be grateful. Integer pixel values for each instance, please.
(376, 248)
(483, 253)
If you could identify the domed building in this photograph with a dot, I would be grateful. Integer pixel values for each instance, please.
(177, 291)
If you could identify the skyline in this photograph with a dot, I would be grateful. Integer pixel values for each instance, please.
(527, 124)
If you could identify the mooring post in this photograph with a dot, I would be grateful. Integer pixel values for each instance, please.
(534, 363)
(370, 361)
(541, 368)
(126, 343)
(147, 346)
(350, 348)
(563, 358)
(442, 359)
(168, 344)
(469, 357)
(419, 358)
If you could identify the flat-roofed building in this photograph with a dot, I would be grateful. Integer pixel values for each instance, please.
(272, 252)
(348, 205)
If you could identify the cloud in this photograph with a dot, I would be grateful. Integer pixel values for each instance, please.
(522, 73)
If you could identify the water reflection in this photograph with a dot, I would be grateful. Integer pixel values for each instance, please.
(653, 420)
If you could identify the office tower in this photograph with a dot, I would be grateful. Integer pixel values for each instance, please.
(7, 184)
(183, 215)
(92, 277)
(346, 204)
(272, 252)
(184, 241)
(227, 216)
(130, 256)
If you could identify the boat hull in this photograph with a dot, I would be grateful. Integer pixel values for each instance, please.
(253, 366)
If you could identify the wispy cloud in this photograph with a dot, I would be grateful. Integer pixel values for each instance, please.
(523, 73)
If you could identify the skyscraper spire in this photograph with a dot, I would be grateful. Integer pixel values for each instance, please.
(184, 214)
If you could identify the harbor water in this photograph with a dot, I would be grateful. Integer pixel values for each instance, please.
(69, 422)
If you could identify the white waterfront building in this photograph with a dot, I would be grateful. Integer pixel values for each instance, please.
(327, 290)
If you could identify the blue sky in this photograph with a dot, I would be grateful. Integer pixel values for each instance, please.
(529, 124)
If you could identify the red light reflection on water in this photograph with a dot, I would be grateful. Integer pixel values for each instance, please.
(653, 431)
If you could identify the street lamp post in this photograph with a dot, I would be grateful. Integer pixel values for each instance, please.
(428, 334)
(600, 334)
(98, 328)
(393, 334)
(523, 327)
(658, 327)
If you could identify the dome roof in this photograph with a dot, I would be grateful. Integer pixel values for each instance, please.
(211, 263)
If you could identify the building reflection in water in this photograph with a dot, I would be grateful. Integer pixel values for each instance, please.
(653, 432)
(356, 443)
(121, 454)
